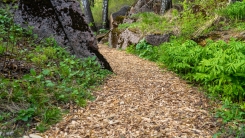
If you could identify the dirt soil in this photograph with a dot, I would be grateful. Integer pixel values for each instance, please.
(140, 100)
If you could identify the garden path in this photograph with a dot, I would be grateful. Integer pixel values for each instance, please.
(140, 100)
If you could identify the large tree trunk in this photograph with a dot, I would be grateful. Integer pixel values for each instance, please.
(166, 5)
(88, 15)
(105, 21)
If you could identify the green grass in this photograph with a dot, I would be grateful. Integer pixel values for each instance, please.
(53, 78)
(183, 24)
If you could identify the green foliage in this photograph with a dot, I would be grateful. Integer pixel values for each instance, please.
(190, 22)
(26, 114)
(219, 66)
(144, 50)
(234, 11)
(55, 79)
(235, 131)
(147, 22)
(101, 31)
(184, 23)
(230, 112)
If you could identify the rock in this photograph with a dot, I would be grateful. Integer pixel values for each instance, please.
(146, 6)
(63, 20)
(117, 17)
(102, 38)
(34, 136)
(157, 39)
(113, 37)
(122, 12)
(128, 37)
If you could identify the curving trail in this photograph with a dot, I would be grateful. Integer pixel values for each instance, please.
(140, 101)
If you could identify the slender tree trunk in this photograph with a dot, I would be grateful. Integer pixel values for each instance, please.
(166, 5)
(88, 15)
(105, 20)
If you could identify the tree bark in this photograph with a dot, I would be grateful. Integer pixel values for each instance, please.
(88, 15)
(166, 5)
(105, 20)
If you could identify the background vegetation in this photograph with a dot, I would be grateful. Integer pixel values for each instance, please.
(113, 7)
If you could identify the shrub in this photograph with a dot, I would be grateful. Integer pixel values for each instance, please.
(234, 11)
(144, 50)
(219, 66)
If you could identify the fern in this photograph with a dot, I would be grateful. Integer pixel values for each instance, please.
(219, 66)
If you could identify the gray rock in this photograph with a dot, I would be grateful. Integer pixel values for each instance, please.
(122, 12)
(117, 17)
(146, 6)
(157, 39)
(127, 38)
(63, 20)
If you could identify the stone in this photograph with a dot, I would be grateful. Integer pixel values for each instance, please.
(157, 39)
(117, 17)
(128, 37)
(122, 12)
(64, 20)
(146, 6)
(113, 37)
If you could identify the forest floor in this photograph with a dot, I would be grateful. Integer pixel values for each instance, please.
(140, 100)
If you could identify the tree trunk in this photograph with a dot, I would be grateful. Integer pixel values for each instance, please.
(105, 20)
(88, 15)
(166, 5)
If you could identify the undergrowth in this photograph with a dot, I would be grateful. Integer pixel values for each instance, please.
(39, 80)
(183, 23)
(234, 11)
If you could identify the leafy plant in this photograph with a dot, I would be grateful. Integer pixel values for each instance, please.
(144, 50)
(234, 11)
(25, 115)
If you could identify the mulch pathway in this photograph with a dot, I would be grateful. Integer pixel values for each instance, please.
(140, 101)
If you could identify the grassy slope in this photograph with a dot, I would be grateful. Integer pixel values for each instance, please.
(39, 80)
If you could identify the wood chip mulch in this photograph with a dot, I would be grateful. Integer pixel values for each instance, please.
(140, 101)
